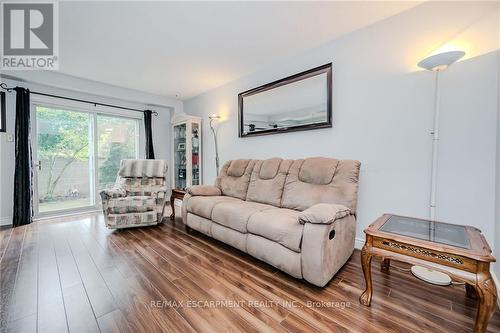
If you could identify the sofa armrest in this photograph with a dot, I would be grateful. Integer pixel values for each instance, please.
(106, 195)
(324, 213)
(184, 211)
(204, 190)
(326, 248)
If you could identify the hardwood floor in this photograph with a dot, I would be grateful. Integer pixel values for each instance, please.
(75, 275)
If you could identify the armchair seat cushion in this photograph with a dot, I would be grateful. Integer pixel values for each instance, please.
(139, 204)
(203, 205)
(235, 214)
(280, 225)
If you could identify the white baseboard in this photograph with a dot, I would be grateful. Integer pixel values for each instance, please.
(358, 243)
(67, 214)
(5, 220)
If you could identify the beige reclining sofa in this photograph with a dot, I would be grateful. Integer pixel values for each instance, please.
(297, 215)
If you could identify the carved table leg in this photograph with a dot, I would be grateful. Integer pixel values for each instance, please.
(487, 295)
(366, 260)
(470, 292)
(172, 205)
(384, 265)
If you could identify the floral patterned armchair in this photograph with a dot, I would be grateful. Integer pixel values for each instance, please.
(139, 195)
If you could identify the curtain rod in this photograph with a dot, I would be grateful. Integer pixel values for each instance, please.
(4, 87)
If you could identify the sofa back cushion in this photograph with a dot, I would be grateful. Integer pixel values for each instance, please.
(234, 178)
(321, 180)
(267, 181)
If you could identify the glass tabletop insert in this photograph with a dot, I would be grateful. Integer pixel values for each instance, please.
(444, 233)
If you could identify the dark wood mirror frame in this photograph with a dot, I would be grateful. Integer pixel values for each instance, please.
(287, 80)
(3, 110)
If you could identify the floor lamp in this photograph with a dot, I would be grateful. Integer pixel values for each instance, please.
(435, 63)
(213, 118)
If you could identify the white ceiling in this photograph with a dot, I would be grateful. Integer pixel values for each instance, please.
(187, 48)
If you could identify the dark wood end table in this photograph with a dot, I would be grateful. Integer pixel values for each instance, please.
(459, 251)
(176, 194)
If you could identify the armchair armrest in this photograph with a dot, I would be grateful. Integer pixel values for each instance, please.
(115, 192)
(204, 190)
(323, 213)
(157, 193)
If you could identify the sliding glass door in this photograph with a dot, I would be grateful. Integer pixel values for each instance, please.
(77, 153)
(117, 139)
(64, 150)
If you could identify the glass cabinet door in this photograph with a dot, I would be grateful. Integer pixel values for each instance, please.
(186, 152)
(180, 156)
(195, 153)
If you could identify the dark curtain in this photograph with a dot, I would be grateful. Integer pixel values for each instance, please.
(150, 153)
(23, 191)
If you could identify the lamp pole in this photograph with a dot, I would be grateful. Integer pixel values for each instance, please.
(435, 149)
(214, 132)
(437, 63)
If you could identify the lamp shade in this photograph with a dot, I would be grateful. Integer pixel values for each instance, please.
(440, 61)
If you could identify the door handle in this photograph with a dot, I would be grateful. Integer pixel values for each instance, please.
(39, 165)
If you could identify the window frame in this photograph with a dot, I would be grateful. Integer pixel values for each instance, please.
(93, 111)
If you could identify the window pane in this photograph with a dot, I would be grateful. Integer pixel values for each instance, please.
(63, 151)
(117, 139)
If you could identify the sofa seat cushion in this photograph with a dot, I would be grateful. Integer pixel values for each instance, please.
(235, 214)
(203, 205)
(199, 223)
(280, 225)
(275, 254)
(139, 204)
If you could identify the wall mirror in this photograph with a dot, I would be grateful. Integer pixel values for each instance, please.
(299, 102)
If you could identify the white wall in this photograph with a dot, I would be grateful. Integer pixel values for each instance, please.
(497, 203)
(64, 85)
(382, 109)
